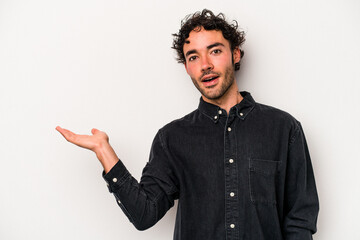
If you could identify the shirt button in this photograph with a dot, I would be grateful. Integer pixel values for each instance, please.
(114, 179)
(119, 201)
(229, 129)
(231, 160)
(232, 194)
(241, 114)
(232, 225)
(220, 112)
(215, 117)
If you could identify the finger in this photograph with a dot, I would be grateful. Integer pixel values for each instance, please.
(60, 130)
(68, 135)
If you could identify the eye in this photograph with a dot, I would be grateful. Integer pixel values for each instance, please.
(216, 51)
(192, 58)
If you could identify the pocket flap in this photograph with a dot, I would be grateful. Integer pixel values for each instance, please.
(263, 166)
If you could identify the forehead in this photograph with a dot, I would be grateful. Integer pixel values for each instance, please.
(203, 38)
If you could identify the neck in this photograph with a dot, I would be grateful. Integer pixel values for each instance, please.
(228, 100)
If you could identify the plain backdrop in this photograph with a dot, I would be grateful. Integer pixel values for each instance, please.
(109, 64)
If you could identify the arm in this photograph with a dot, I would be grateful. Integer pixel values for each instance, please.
(143, 203)
(301, 204)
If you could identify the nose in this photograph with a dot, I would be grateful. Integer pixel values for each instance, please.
(206, 64)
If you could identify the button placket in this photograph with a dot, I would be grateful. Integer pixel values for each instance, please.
(231, 178)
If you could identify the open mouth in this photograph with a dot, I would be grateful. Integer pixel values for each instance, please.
(210, 79)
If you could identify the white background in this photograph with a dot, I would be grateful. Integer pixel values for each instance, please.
(109, 65)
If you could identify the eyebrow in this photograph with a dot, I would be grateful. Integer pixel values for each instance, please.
(215, 45)
(208, 47)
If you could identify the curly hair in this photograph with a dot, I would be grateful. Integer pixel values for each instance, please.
(208, 21)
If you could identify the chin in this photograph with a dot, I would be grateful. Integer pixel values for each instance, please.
(213, 96)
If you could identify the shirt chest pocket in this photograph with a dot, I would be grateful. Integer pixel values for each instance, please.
(262, 180)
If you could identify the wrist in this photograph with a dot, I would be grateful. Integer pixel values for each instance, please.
(100, 148)
(106, 155)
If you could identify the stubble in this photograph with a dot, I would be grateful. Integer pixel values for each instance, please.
(225, 85)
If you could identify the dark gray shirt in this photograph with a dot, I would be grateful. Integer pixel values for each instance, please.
(242, 175)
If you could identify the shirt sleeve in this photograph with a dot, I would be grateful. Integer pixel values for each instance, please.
(301, 204)
(147, 201)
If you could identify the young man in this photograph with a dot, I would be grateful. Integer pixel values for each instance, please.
(240, 169)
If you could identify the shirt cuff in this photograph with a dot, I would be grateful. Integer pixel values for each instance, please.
(116, 177)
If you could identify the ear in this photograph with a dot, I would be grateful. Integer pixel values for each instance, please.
(186, 67)
(236, 55)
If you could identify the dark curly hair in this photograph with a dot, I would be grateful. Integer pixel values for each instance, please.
(208, 21)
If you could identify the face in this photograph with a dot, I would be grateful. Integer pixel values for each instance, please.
(210, 62)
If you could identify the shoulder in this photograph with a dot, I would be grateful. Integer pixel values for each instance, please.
(274, 112)
(276, 117)
(181, 124)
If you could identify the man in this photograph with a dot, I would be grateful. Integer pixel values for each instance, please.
(240, 169)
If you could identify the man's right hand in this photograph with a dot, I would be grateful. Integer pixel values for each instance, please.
(98, 142)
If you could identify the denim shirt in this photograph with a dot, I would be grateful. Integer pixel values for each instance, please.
(245, 174)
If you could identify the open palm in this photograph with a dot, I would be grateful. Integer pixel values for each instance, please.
(91, 142)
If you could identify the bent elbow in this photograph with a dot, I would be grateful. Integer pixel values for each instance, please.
(147, 219)
(142, 226)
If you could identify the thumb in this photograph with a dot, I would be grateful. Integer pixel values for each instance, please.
(94, 131)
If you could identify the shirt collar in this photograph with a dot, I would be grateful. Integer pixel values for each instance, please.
(241, 109)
